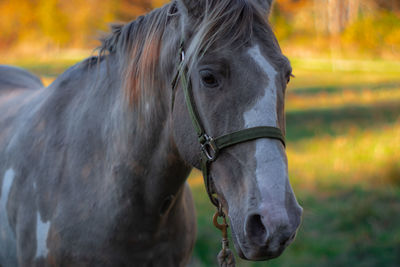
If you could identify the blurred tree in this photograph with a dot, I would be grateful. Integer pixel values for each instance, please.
(84, 22)
(16, 18)
(52, 22)
(129, 9)
(393, 5)
(291, 6)
(76, 23)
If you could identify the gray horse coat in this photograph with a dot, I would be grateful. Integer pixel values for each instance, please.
(93, 167)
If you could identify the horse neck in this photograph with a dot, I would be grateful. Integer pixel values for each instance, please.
(145, 161)
(131, 155)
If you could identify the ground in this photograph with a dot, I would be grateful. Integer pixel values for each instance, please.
(343, 131)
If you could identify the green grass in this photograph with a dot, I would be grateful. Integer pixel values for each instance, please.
(320, 65)
(341, 227)
(343, 130)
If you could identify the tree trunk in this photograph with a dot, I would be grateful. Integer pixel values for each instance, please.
(333, 17)
(354, 7)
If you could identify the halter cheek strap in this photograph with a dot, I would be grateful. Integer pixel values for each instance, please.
(210, 146)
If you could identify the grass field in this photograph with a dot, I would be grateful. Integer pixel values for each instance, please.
(343, 131)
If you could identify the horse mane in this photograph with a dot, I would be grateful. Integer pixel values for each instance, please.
(228, 23)
(137, 45)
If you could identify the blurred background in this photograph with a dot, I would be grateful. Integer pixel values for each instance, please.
(343, 114)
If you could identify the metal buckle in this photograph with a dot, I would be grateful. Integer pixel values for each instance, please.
(209, 148)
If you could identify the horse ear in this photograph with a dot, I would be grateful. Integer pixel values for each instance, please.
(266, 4)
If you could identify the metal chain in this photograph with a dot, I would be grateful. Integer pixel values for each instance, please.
(225, 256)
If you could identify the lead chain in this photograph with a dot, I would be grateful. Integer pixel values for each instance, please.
(225, 256)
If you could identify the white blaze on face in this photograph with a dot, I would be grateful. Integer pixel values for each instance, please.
(263, 113)
(271, 170)
(42, 230)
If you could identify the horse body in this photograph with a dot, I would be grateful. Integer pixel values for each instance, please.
(12, 78)
(93, 167)
(97, 203)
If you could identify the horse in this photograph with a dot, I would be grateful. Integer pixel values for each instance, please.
(93, 167)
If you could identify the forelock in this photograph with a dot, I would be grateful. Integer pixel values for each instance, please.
(228, 23)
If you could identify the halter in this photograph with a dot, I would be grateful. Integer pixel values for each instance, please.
(210, 146)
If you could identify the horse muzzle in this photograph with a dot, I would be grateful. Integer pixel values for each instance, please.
(266, 234)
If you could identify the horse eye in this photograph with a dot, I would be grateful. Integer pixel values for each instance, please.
(288, 78)
(208, 79)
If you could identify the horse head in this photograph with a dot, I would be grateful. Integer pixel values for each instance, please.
(238, 77)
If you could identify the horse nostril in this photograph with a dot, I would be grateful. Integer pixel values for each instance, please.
(256, 230)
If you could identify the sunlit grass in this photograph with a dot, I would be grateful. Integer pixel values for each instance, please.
(328, 74)
(360, 157)
(321, 65)
(48, 65)
(345, 97)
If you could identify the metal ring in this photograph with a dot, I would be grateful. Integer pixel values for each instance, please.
(209, 148)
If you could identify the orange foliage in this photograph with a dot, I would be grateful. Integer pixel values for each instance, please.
(64, 23)
(290, 6)
(36, 25)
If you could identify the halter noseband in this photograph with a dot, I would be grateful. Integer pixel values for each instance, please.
(211, 146)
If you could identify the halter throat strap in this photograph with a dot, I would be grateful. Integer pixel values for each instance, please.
(210, 146)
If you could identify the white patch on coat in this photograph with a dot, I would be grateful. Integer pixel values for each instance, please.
(5, 190)
(271, 170)
(6, 232)
(42, 230)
